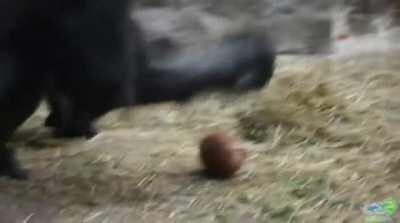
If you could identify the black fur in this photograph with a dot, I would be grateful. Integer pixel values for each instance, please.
(88, 57)
(240, 63)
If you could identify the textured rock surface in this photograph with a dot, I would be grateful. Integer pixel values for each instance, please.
(295, 25)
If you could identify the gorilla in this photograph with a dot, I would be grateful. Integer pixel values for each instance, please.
(237, 63)
(88, 57)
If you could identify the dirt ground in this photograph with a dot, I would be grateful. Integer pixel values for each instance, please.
(323, 140)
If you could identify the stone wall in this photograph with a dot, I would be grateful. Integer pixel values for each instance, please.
(303, 26)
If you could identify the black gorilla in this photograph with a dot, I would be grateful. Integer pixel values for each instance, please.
(241, 62)
(88, 57)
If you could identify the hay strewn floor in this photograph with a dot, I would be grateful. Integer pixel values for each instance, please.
(323, 141)
(334, 127)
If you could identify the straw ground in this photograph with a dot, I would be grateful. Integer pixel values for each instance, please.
(323, 140)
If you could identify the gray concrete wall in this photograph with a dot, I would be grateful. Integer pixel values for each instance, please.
(304, 26)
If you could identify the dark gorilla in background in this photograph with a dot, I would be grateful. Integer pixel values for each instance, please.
(88, 57)
(238, 63)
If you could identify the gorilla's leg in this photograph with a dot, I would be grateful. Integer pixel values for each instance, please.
(67, 121)
(20, 95)
(96, 73)
(73, 111)
(64, 117)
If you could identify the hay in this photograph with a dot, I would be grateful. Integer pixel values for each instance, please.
(331, 123)
(324, 142)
